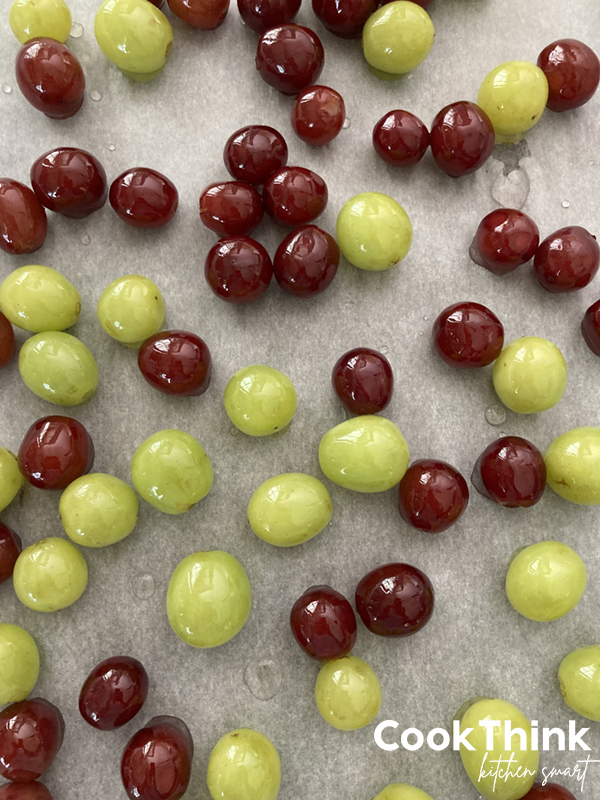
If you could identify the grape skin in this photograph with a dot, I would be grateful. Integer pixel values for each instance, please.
(30, 19)
(348, 693)
(11, 479)
(20, 661)
(244, 764)
(50, 575)
(530, 375)
(98, 510)
(39, 299)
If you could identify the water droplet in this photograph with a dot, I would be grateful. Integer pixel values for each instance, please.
(95, 96)
(425, 318)
(347, 123)
(512, 190)
(263, 678)
(495, 414)
(143, 586)
(566, 204)
(384, 348)
(474, 253)
(112, 147)
(6, 88)
(85, 239)
(233, 431)
(76, 30)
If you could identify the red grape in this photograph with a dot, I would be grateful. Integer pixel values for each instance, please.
(203, 14)
(511, 471)
(7, 341)
(567, 260)
(113, 693)
(253, 153)
(144, 198)
(551, 791)
(590, 328)
(432, 496)
(462, 138)
(323, 623)
(395, 600)
(573, 72)
(261, 15)
(289, 57)
(158, 3)
(306, 261)
(238, 269)
(176, 363)
(318, 115)
(294, 196)
(69, 181)
(400, 138)
(10, 547)
(55, 451)
(23, 223)
(344, 18)
(50, 77)
(31, 734)
(363, 380)
(506, 239)
(233, 208)
(468, 336)
(24, 791)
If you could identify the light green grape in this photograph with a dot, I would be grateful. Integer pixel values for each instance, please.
(97, 510)
(131, 308)
(209, 598)
(366, 454)
(260, 400)
(397, 38)
(59, 368)
(573, 466)
(244, 765)
(579, 678)
(50, 575)
(39, 299)
(135, 36)
(32, 18)
(289, 509)
(348, 693)
(514, 96)
(545, 581)
(530, 375)
(402, 791)
(481, 760)
(19, 663)
(171, 471)
(373, 231)
(11, 479)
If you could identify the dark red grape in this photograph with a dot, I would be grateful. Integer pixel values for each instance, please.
(24, 791)
(567, 260)
(506, 239)
(468, 336)
(238, 269)
(233, 208)
(253, 153)
(344, 18)
(323, 623)
(176, 363)
(69, 181)
(551, 791)
(113, 693)
(23, 223)
(31, 734)
(50, 77)
(462, 138)
(289, 58)
(294, 196)
(432, 496)
(590, 328)
(395, 600)
(400, 138)
(55, 451)
(573, 72)
(7, 341)
(511, 471)
(157, 760)
(318, 115)
(306, 261)
(261, 15)
(363, 380)
(144, 198)
(158, 3)
(203, 14)
(10, 547)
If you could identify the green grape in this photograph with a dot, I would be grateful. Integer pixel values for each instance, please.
(397, 38)
(260, 400)
(530, 375)
(59, 368)
(97, 510)
(50, 575)
(573, 466)
(32, 18)
(171, 471)
(19, 663)
(131, 308)
(348, 693)
(373, 231)
(209, 598)
(289, 509)
(39, 299)
(545, 581)
(366, 453)
(135, 36)
(402, 791)
(474, 761)
(579, 678)
(514, 96)
(11, 479)
(244, 765)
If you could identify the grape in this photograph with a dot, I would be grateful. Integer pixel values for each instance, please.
(590, 328)
(20, 661)
(397, 38)
(11, 479)
(55, 451)
(344, 18)
(209, 598)
(489, 787)
(567, 260)
(231, 208)
(348, 693)
(514, 97)
(366, 454)
(70, 182)
(58, 368)
(50, 575)
(39, 299)
(7, 342)
(23, 223)
(144, 198)
(244, 765)
(323, 623)
(289, 509)
(505, 239)
(573, 73)
(131, 309)
(238, 269)
(30, 19)
(206, 15)
(432, 496)
(363, 380)
(395, 600)
(253, 153)
(31, 734)
(289, 58)
(260, 15)
(400, 138)
(176, 363)
(98, 510)
(113, 693)
(579, 678)
(260, 400)
(573, 464)
(171, 471)
(24, 791)
(511, 472)
(135, 36)
(294, 196)
(10, 547)
(402, 791)
(306, 261)
(462, 138)
(157, 761)
(373, 231)
(545, 581)
(549, 791)
(530, 375)
(318, 115)
(468, 336)
(51, 78)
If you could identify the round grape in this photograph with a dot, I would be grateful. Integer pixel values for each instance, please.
(253, 153)
(318, 115)
(206, 15)
(323, 623)
(289, 58)
(176, 363)
(468, 336)
(31, 734)
(506, 239)
(51, 78)
(400, 138)
(238, 269)
(7, 342)
(50, 575)
(23, 223)
(514, 97)
(113, 693)
(348, 693)
(579, 678)
(462, 138)
(294, 196)
(573, 73)
(573, 464)
(395, 600)
(98, 510)
(39, 299)
(131, 309)
(261, 15)
(11, 479)
(10, 547)
(432, 496)
(397, 38)
(20, 661)
(363, 380)
(530, 375)
(260, 400)
(70, 182)
(55, 451)
(567, 260)
(30, 19)
(344, 18)
(24, 791)
(232, 208)
(244, 764)
(306, 261)
(511, 472)
(144, 198)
